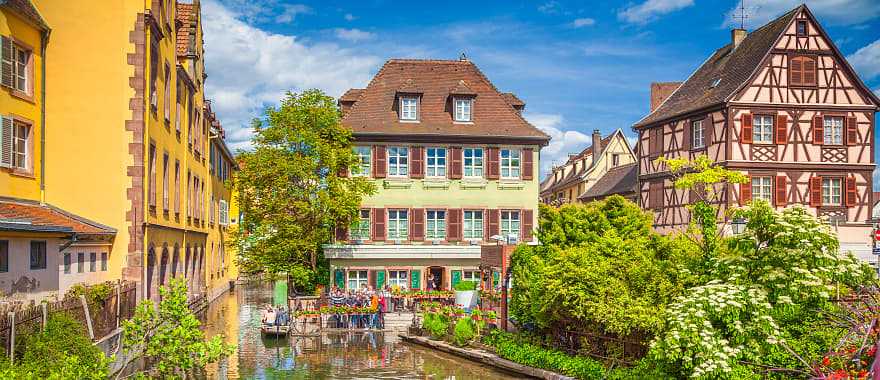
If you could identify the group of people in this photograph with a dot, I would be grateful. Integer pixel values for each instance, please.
(366, 297)
(275, 316)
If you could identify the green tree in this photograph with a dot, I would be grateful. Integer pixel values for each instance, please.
(169, 338)
(291, 189)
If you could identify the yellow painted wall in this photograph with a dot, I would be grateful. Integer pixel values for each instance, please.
(16, 183)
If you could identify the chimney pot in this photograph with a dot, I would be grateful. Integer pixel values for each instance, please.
(597, 144)
(737, 36)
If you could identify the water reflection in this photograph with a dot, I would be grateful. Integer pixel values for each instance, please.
(350, 355)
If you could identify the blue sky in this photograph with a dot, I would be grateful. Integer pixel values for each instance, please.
(579, 66)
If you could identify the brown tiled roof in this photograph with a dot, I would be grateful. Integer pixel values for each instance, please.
(732, 66)
(185, 16)
(513, 100)
(574, 176)
(375, 112)
(620, 180)
(351, 95)
(26, 9)
(25, 215)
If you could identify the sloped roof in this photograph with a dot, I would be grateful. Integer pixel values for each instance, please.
(351, 95)
(26, 215)
(375, 111)
(619, 180)
(573, 176)
(732, 66)
(513, 100)
(185, 14)
(26, 9)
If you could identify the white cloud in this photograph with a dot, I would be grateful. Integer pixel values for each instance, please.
(349, 17)
(867, 60)
(249, 68)
(289, 12)
(550, 7)
(261, 11)
(650, 10)
(353, 35)
(581, 22)
(561, 142)
(838, 12)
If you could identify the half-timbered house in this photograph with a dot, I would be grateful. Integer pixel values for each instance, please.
(782, 105)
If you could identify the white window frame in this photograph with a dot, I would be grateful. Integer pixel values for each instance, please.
(762, 188)
(409, 108)
(472, 160)
(360, 228)
(698, 139)
(510, 165)
(510, 223)
(398, 161)
(464, 109)
(832, 191)
(472, 275)
(473, 224)
(435, 224)
(398, 225)
(21, 152)
(20, 66)
(365, 156)
(762, 129)
(833, 130)
(435, 162)
(224, 212)
(356, 278)
(399, 278)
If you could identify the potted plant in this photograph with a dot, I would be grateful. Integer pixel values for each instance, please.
(466, 294)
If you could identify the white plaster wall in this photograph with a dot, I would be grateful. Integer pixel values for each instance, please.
(20, 282)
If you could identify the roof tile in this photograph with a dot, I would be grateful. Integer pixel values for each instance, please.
(30, 214)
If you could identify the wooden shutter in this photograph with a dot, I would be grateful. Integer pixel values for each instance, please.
(486, 234)
(378, 224)
(6, 61)
(492, 159)
(781, 190)
(688, 135)
(527, 223)
(415, 279)
(528, 165)
(455, 277)
(6, 127)
(417, 224)
(745, 191)
(852, 131)
(816, 191)
(796, 71)
(417, 162)
(746, 128)
(379, 161)
(781, 129)
(494, 222)
(808, 73)
(453, 225)
(818, 130)
(455, 168)
(851, 194)
(709, 129)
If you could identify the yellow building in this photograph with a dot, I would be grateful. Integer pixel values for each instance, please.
(128, 134)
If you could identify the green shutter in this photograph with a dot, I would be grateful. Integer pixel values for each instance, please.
(380, 279)
(280, 294)
(416, 279)
(496, 278)
(456, 277)
(339, 278)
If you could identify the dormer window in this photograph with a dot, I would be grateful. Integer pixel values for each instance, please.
(409, 108)
(463, 109)
(802, 28)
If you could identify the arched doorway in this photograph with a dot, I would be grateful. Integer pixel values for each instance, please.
(151, 267)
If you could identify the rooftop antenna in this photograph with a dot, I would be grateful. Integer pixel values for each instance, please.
(740, 13)
(463, 57)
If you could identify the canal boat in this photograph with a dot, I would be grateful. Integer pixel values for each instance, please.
(278, 330)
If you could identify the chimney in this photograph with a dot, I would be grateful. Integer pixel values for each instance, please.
(737, 36)
(597, 144)
(660, 91)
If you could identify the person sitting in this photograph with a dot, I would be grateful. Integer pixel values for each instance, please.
(281, 317)
(269, 315)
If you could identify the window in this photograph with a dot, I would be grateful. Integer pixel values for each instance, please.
(801, 28)
(473, 162)
(471, 275)
(21, 65)
(463, 109)
(167, 97)
(364, 158)
(4, 256)
(93, 262)
(509, 163)
(154, 72)
(360, 228)
(615, 161)
(38, 255)
(473, 224)
(802, 71)
(763, 129)
(833, 130)
(397, 161)
(409, 108)
(224, 212)
(655, 195)
(356, 278)
(165, 194)
(398, 278)
(697, 140)
(67, 260)
(80, 262)
(152, 188)
(762, 188)
(831, 192)
(715, 83)
(21, 133)
(510, 223)
(179, 101)
(103, 261)
(397, 225)
(177, 187)
(435, 228)
(436, 162)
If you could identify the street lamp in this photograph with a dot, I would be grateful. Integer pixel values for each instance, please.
(738, 225)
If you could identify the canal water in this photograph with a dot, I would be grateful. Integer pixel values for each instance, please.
(351, 355)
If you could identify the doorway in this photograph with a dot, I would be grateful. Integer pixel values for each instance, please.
(438, 278)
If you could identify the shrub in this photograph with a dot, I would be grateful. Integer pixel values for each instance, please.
(96, 293)
(464, 286)
(532, 355)
(463, 333)
(61, 351)
(436, 325)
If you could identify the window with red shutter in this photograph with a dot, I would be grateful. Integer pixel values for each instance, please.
(379, 162)
(781, 190)
(494, 222)
(852, 131)
(802, 71)
(455, 163)
(528, 224)
(851, 193)
(815, 191)
(417, 162)
(417, 224)
(527, 164)
(746, 128)
(378, 224)
(818, 130)
(492, 159)
(745, 191)
(454, 227)
(781, 129)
